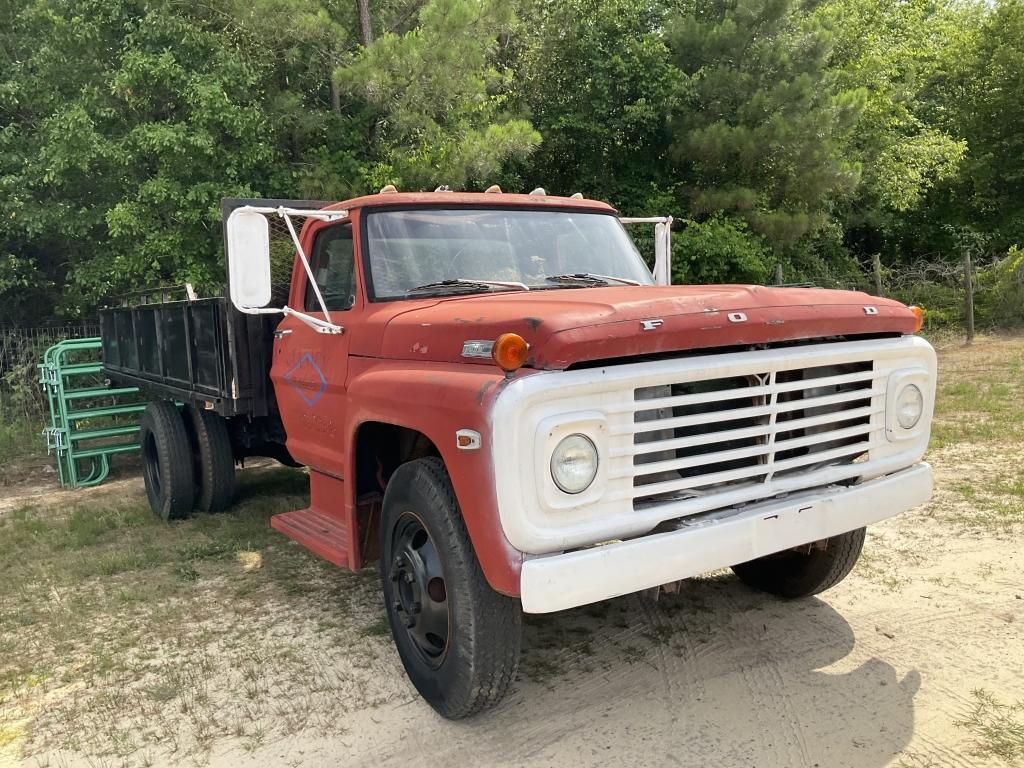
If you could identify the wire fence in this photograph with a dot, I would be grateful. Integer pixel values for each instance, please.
(959, 295)
(18, 342)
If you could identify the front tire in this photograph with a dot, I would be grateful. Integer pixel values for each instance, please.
(793, 574)
(166, 461)
(458, 639)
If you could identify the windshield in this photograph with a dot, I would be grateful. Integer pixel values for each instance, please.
(415, 248)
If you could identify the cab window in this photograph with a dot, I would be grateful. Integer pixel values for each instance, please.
(333, 266)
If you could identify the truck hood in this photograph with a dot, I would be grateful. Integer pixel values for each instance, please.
(571, 326)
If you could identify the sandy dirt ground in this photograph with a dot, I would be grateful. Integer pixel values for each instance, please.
(872, 674)
(883, 670)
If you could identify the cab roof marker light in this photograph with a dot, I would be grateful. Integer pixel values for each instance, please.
(576, 196)
(388, 189)
(539, 192)
(494, 189)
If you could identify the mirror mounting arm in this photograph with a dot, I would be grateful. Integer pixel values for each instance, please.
(283, 213)
(315, 323)
(662, 245)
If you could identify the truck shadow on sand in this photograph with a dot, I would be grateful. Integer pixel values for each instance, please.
(717, 674)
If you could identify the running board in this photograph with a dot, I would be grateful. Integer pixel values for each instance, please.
(323, 534)
(326, 527)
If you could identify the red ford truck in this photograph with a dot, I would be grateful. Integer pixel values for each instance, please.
(496, 399)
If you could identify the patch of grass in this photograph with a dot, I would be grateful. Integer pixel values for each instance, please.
(979, 396)
(996, 507)
(379, 628)
(20, 436)
(8, 735)
(121, 633)
(997, 727)
(883, 566)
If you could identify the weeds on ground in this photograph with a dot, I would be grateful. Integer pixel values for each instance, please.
(996, 504)
(20, 438)
(997, 727)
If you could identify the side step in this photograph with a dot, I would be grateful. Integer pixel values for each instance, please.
(326, 527)
(325, 535)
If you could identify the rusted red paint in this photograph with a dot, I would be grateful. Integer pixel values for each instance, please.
(580, 324)
(454, 199)
(437, 400)
(401, 362)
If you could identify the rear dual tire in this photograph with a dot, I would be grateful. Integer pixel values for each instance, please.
(187, 460)
(166, 461)
(214, 467)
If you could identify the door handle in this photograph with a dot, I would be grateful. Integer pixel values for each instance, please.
(281, 333)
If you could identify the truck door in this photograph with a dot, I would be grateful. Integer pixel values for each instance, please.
(309, 368)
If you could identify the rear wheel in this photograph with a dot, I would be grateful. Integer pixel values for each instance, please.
(214, 460)
(807, 571)
(458, 639)
(166, 460)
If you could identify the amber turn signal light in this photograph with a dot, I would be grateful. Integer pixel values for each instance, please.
(510, 351)
(919, 314)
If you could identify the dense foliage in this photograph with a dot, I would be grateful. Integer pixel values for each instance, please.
(807, 134)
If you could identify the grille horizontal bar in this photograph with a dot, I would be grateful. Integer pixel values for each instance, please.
(652, 489)
(638, 449)
(738, 393)
(737, 414)
(747, 434)
(655, 467)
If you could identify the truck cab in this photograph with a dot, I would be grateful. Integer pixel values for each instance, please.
(496, 400)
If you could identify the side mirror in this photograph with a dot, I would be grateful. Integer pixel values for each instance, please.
(248, 246)
(662, 245)
(663, 252)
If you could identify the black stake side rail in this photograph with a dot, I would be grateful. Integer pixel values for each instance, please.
(203, 352)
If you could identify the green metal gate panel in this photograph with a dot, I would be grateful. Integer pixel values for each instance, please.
(89, 421)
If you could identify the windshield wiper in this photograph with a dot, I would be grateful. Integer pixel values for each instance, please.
(458, 285)
(588, 278)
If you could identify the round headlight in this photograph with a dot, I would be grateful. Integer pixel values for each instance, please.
(909, 406)
(574, 464)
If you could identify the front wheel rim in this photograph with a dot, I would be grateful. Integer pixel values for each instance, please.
(419, 593)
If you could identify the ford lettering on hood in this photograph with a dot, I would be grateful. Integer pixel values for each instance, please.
(568, 327)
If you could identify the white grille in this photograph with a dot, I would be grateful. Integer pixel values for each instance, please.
(684, 436)
(744, 434)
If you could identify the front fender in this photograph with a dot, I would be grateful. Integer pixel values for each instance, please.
(437, 399)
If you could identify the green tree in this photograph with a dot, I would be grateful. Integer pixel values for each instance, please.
(437, 99)
(125, 122)
(756, 133)
(896, 52)
(596, 80)
(990, 87)
(720, 250)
